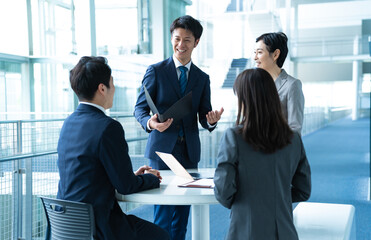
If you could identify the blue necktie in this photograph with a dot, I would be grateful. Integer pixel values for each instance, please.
(183, 84)
(183, 79)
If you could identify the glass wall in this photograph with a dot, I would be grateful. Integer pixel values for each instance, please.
(61, 32)
(117, 27)
(323, 46)
(52, 88)
(13, 27)
(53, 29)
(10, 87)
(14, 89)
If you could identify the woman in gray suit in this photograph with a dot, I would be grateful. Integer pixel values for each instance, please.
(270, 54)
(262, 165)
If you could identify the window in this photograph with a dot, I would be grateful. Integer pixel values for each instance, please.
(13, 27)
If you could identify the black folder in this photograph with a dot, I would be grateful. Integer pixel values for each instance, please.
(177, 111)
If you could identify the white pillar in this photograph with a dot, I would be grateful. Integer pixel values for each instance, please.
(288, 18)
(158, 40)
(355, 81)
(93, 35)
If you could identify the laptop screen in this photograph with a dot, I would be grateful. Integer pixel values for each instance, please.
(174, 165)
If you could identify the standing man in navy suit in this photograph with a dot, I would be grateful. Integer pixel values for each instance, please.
(163, 81)
(93, 157)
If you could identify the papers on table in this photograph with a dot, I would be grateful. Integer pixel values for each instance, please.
(201, 183)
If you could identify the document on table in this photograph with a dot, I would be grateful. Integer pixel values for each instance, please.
(201, 183)
(177, 111)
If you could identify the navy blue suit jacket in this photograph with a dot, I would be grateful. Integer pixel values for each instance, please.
(93, 161)
(162, 83)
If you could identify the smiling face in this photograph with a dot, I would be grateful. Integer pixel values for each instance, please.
(183, 43)
(263, 58)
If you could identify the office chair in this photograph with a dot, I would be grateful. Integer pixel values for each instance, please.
(68, 220)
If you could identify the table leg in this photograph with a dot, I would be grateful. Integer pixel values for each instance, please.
(200, 222)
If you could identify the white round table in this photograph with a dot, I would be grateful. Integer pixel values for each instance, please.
(170, 194)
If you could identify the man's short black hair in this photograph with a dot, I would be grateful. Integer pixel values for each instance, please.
(273, 41)
(188, 23)
(86, 76)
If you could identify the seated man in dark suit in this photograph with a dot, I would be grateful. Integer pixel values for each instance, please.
(93, 157)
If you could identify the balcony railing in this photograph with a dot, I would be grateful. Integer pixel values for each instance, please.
(346, 47)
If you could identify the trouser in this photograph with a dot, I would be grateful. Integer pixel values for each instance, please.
(174, 219)
(147, 230)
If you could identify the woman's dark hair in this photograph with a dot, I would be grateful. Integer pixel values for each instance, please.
(188, 23)
(259, 111)
(275, 41)
(86, 76)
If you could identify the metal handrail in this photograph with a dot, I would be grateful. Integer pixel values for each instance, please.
(32, 120)
(24, 156)
(32, 155)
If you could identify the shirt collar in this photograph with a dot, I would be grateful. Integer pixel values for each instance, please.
(178, 64)
(95, 105)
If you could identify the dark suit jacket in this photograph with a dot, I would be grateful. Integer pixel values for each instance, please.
(162, 83)
(259, 188)
(93, 161)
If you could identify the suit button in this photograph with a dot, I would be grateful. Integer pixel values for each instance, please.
(177, 127)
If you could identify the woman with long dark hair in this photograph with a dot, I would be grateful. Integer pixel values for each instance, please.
(262, 165)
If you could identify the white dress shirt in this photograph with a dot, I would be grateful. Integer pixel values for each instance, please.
(94, 105)
(177, 65)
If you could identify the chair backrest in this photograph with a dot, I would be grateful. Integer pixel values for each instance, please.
(68, 219)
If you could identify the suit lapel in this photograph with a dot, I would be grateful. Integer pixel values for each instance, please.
(281, 80)
(172, 76)
(192, 79)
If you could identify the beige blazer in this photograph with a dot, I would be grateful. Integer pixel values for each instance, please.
(292, 100)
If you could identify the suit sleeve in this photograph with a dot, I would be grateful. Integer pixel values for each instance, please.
(142, 110)
(295, 106)
(225, 178)
(115, 158)
(301, 182)
(205, 106)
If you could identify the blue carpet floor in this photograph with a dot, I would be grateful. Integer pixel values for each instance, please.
(339, 155)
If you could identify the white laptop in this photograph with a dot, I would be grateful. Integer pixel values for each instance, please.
(180, 171)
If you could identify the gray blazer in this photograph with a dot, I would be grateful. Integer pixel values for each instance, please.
(292, 100)
(259, 188)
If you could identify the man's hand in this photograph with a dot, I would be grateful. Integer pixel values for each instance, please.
(142, 169)
(214, 116)
(155, 124)
(154, 172)
(147, 169)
